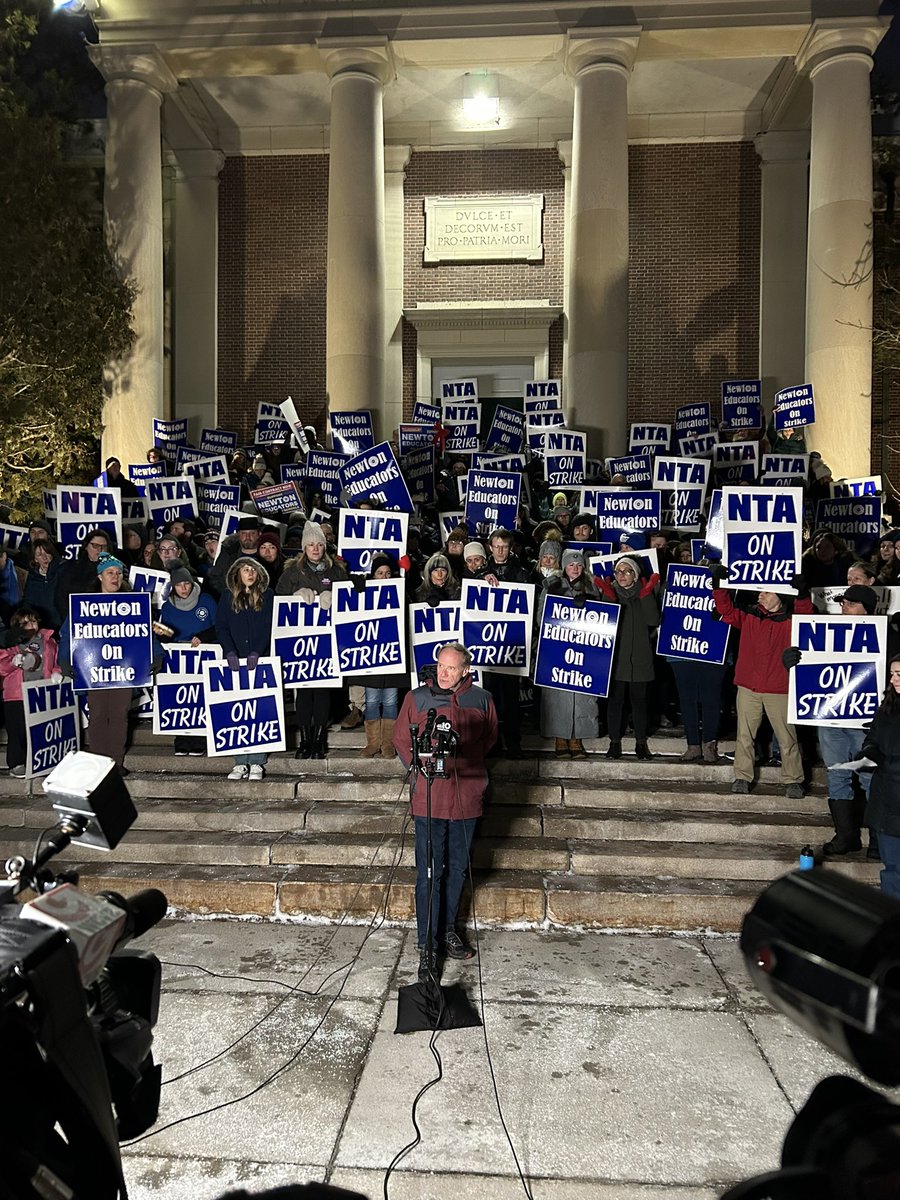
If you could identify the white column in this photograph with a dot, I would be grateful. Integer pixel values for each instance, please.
(396, 160)
(837, 55)
(784, 169)
(137, 78)
(355, 298)
(597, 351)
(196, 292)
(564, 149)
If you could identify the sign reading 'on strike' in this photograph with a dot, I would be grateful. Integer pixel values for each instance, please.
(111, 640)
(575, 645)
(839, 680)
(496, 625)
(52, 724)
(303, 638)
(244, 708)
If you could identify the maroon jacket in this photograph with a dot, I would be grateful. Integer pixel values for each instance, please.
(474, 718)
(764, 638)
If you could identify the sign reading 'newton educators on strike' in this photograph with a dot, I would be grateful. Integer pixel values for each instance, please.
(688, 628)
(111, 640)
(575, 645)
(840, 677)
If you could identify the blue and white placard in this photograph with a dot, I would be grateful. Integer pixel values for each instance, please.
(454, 390)
(575, 645)
(13, 537)
(644, 438)
(219, 441)
(784, 470)
(507, 431)
(867, 485)
(139, 473)
(214, 498)
(492, 501)
(244, 708)
(351, 431)
(369, 628)
(170, 434)
(603, 565)
(496, 625)
(424, 413)
(620, 512)
(155, 583)
(715, 530)
(323, 474)
(636, 470)
(499, 462)
(208, 469)
(742, 403)
(418, 466)
(413, 437)
(363, 533)
(701, 446)
(81, 509)
(736, 462)
(692, 421)
(683, 482)
(794, 407)
(857, 521)
(289, 412)
(541, 395)
(276, 498)
(171, 499)
(271, 427)
(303, 639)
(688, 629)
(179, 692)
(565, 455)
(429, 630)
(839, 680)
(52, 724)
(762, 538)
(538, 425)
(376, 473)
(111, 640)
(448, 521)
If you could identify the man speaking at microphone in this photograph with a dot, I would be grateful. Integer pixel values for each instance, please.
(456, 801)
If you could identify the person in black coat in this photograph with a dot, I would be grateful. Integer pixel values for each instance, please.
(882, 746)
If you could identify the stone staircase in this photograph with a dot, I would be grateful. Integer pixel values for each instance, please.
(627, 844)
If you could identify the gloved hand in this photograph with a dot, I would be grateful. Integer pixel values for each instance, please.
(359, 582)
(404, 562)
(579, 599)
(649, 586)
(56, 676)
(307, 595)
(433, 599)
(799, 583)
(791, 656)
(156, 666)
(233, 661)
(553, 583)
(252, 660)
(325, 599)
(605, 587)
(719, 574)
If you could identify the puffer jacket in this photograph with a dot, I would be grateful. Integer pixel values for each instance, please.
(764, 638)
(248, 631)
(300, 573)
(13, 677)
(473, 717)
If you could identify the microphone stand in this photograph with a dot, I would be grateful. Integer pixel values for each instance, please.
(426, 770)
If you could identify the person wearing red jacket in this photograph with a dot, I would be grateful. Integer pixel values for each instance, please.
(456, 802)
(762, 678)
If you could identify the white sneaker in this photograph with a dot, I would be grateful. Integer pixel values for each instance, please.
(256, 771)
(238, 772)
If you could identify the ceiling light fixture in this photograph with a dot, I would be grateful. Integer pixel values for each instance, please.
(481, 98)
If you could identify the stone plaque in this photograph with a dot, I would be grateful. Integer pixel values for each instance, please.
(459, 229)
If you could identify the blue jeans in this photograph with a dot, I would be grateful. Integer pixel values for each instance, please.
(381, 702)
(889, 849)
(700, 694)
(450, 845)
(838, 746)
(252, 760)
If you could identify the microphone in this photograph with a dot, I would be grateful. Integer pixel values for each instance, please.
(429, 722)
(143, 910)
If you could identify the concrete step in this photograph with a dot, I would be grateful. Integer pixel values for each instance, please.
(685, 825)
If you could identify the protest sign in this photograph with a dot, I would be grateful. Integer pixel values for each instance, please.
(541, 395)
(413, 437)
(457, 389)
(828, 599)
(419, 468)
(244, 708)
(867, 485)
(736, 462)
(538, 425)
(603, 565)
(362, 533)
(424, 413)
(289, 411)
(219, 441)
(794, 407)
(303, 639)
(715, 531)
(565, 454)
(376, 474)
(692, 421)
(575, 645)
(111, 640)
(448, 521)
(276, 498)
(134, 510)
(636, 470)
(52, 724)
(620, 512)
(429, 630)
(181, 658)
(209, 469)
(839, 680)
(683, 482)
(857, 521)
(507, 431)
(170, 434)
(492, 501)
(190, 454)
(463, 438)
(762, 538)
(499, 462)
(649, 439)
(369, 627)
(179, 694)
(81, 509)
(271, 427)
(139, 473)
(13, 537)
(701, 446)
(323, 474)
(587, 549)
(352, 431)
(214, 498)
(171, 499)
(496, 625)
(155, 583)
(688, 628)
(784, 470)
(462, 421)
(742, 403)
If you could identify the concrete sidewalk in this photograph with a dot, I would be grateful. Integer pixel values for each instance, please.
(629, 1067)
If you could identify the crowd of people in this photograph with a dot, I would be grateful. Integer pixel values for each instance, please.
(223, 594)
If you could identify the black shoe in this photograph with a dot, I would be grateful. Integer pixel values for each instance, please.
(455, 947)
(614, 750)
(318, 743)
(302, 750)
(643, 751)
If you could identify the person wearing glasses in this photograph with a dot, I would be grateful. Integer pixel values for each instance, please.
(79, 574)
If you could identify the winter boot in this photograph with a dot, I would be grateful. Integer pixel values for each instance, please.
(847, 838)
(692, 754)
(372, 748)
(303, 742)
(576, 748)
(561, 749)
(643, 751)
(318, 742)
(387, 738)
(614, 750)
(711, 752)
(873, 854)
(353, 719)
